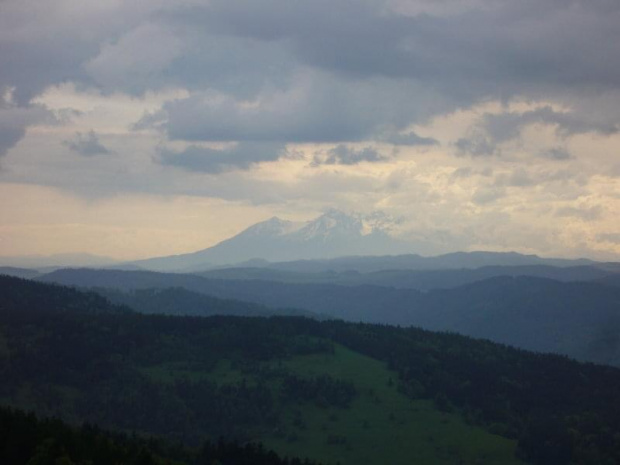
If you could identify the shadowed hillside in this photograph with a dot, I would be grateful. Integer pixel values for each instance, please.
(579, 319)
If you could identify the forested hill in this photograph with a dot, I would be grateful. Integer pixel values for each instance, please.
(180, 301)
(332, 391)
(580, 319)
(19, 272)
(19, 295)
(28, 440)
(611, 280)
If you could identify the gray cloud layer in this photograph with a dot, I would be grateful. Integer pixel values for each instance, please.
(338, 71)
(343, 155)
(15, 120)
(494, 128)
(87, 144)
(207, 160)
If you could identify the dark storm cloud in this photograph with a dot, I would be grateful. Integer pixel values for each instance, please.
(477, 145)
(351, 51)
(47, 43)
(322, 71)
(506, 126)
(343, 155)
(207, 160)
(319, 108)
(87, 144)
(503, 43)
(495, 128)
(410, 138)
(15, 120)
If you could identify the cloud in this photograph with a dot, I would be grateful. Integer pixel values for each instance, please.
(487, 195)
(317, 108)
(15, 120)
(410, 138)
(206, 160)
(505, 126)
(517, 178)
(322, 71)
(467, 172)
(584, 213)
(493, 129)
(556, 153)
(87, 144)
(609, 237)
(343, 155)
(476, 145)
(135, 62)
(501, 47)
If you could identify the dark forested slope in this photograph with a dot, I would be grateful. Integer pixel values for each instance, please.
(298, 385)
(180, 301)
(580, 319)
(28, 440)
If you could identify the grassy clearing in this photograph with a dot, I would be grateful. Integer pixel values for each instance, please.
(381, 427)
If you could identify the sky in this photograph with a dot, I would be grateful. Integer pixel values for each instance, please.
(142, 128)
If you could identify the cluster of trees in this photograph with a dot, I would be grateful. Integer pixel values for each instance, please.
(27, 440)
(322, 390)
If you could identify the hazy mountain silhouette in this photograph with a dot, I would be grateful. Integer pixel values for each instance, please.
(57, 261)
(333, 241)
(330, 235)
(410, 279)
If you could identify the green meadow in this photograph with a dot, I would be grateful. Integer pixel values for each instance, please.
(380, 426)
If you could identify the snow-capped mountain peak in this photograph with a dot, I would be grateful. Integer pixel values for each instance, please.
(331, 223)
(274, 226)
(332, 234)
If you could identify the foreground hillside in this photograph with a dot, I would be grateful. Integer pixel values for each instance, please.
(330, 391)
(280, 382)
(28, 440)
(580, 319)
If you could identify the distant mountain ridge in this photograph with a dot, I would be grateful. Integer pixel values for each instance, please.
(332, 234)
(422, 280)
(57, 261)
(413, 262)
(361, 242)
(579, 319)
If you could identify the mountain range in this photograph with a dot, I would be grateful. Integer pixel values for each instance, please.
(334, 241)
(332, 234)
(579, 319)
(51, 262)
